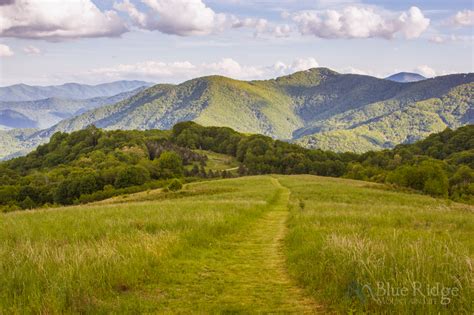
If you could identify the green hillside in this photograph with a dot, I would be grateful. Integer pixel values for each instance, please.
(264, 244)
(317, 108)
(93, 164)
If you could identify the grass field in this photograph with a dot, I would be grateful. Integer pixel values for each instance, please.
(219, 162)
(357, 247)
(288, 244)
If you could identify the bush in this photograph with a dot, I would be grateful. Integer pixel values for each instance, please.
(429, 177)
(175, 185)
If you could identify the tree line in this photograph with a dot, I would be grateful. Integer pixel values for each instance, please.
(94, 164)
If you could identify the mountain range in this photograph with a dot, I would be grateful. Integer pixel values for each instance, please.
(72, 91)
(317, 108)
(45, 113)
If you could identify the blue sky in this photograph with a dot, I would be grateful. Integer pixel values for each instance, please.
(46, 42)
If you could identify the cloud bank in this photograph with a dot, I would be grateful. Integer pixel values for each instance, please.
(361, 22)
(56, 20)
(178, 71)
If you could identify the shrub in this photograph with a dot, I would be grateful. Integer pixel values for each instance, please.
(175, 185)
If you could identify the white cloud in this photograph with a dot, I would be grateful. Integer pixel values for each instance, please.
(463, 18)
(262, 27)
(178, 71)
(299, 64)
(176, 17)
(32, 50)
(159, 71)
(353, 70)
(5, 51)
(139, 18)
(443, 39)
(412, 23)
(57, 20)
(361, 22)
(426, 71)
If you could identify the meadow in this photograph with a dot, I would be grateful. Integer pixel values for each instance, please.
(357, 247)
(288, 244)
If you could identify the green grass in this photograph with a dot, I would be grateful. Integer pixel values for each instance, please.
(285, 244)
(348, 237)
(211, 247)
(219, 162)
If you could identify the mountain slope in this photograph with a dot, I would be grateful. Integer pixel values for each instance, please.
(14, 119)
(317, 108)
(245, 106)
(386, 124)
(48, 112)
(23, 92)
(405, 77)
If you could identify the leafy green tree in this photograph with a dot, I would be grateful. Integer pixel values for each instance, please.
(27, 203)
(132, 176)
(170, 165)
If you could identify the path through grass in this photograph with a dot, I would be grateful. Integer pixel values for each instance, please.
(216, 247)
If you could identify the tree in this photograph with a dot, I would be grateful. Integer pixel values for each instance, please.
(170, 165)
(27, 203)
(132, 176)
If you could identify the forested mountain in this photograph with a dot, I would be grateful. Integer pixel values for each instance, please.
(93, 164)
(47, 112)
(405, 77)
(318, 108)
(75, 91)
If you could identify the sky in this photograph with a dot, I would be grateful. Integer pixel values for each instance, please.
(49, 42)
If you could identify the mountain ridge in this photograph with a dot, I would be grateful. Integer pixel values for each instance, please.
(315, 108)
(45, 113)
(76, 91)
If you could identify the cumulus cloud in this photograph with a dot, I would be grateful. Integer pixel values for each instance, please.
(463, 18)
(139, 18)
(176, 17)
(194, 18)
(32, 50)
(178, 71)
(5, 51)
(361, 22)
(426, 71)
(262, 27)
(57, 20)
(299, 64)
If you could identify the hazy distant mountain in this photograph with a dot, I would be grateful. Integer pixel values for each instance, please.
(318, 108)
(405, 77)
(13, 119)
(71, 91)
(47, 112)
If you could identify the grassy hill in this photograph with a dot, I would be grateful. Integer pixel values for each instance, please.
(93, 164)
(270, 244)
(317, 108)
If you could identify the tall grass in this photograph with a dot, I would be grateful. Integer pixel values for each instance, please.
(357, 248)
(103, 258)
